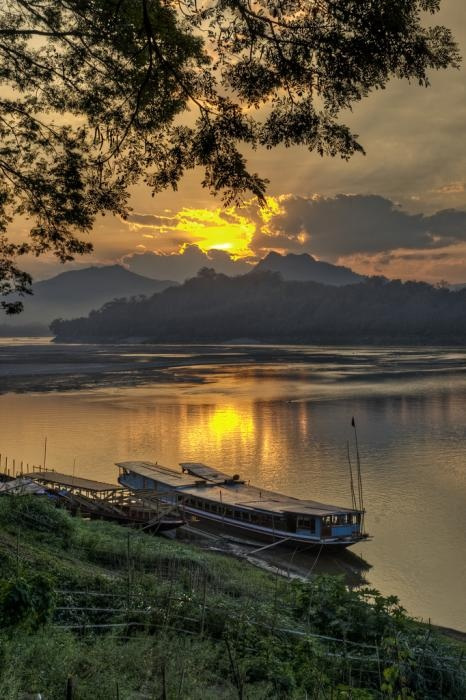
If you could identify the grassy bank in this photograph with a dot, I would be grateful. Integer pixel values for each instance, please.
(127, 615)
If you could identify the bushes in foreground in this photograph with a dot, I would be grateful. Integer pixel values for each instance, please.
(130, 615)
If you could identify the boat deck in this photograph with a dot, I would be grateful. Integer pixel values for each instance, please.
(200, 480)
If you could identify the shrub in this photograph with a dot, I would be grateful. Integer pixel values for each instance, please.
(26, 602)
(36, 514)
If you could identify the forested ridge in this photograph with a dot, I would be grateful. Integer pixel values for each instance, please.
(262, 306)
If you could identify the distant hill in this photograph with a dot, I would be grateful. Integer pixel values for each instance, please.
(77, 292)
(305, 268)
(264, 307)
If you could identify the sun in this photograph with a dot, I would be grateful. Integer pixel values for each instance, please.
(230, 229)
(219, 229)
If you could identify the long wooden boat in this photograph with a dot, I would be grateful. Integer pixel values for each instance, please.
(229, 503)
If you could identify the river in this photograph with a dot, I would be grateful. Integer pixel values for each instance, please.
(280, 417)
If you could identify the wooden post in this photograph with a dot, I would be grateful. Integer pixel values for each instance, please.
(17, 552)
(164, 682)
(275, 597)
(235, 672)
(69, 689)
(203, 605)
(129, 571)
(180, 688)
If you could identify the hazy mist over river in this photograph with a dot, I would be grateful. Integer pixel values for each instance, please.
(280, 417)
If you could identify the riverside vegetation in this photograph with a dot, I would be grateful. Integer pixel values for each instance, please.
(128, 615)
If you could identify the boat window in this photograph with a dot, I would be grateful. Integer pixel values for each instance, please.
(342, 519)
(306, 524)
(263, 520)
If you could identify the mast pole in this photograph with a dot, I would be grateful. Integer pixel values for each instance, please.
(353, 497)
(358, 462)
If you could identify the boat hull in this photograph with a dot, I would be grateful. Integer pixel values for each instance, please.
(226, 528)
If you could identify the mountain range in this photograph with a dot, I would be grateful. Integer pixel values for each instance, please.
(305, 268)
(75, 293)
(263, 307)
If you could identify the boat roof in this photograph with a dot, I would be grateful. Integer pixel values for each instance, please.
(210, 484)
(52, 477)
(158, 472)
(202, 471)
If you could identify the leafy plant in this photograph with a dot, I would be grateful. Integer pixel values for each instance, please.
(26, 602)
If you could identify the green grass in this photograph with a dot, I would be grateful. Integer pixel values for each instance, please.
(184, 623)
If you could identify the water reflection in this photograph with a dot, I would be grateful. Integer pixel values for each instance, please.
(282, 428)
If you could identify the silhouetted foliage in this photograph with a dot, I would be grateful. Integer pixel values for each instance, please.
(262, 306)
(96, 90)
(26, 602)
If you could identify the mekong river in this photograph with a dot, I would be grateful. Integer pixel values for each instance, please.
(280, 417)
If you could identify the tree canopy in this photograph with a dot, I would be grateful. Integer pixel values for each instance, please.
(100, 94)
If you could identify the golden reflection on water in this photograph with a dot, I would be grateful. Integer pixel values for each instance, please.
(227, 420)
(412, 448)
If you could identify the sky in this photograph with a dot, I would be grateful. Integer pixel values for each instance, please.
(399, 211)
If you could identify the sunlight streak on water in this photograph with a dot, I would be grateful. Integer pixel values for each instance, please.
(283, 425)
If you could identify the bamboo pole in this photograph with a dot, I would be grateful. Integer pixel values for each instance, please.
(360, 493)
(353, 496)
(204, 597)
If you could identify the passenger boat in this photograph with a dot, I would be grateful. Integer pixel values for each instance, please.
(229, 503)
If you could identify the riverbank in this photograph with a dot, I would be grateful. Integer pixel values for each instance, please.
(126, 614)
(41, 366)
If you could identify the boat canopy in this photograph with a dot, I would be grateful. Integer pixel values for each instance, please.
(202, 471)
(201, 481)
(157, 472)
(69, 481)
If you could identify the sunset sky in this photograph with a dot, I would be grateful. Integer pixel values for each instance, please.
(399, 211)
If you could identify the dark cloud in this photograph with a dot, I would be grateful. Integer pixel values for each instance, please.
(333, 227)
(419, 256)
(148, 220)
(187, 263)
(448, 223)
